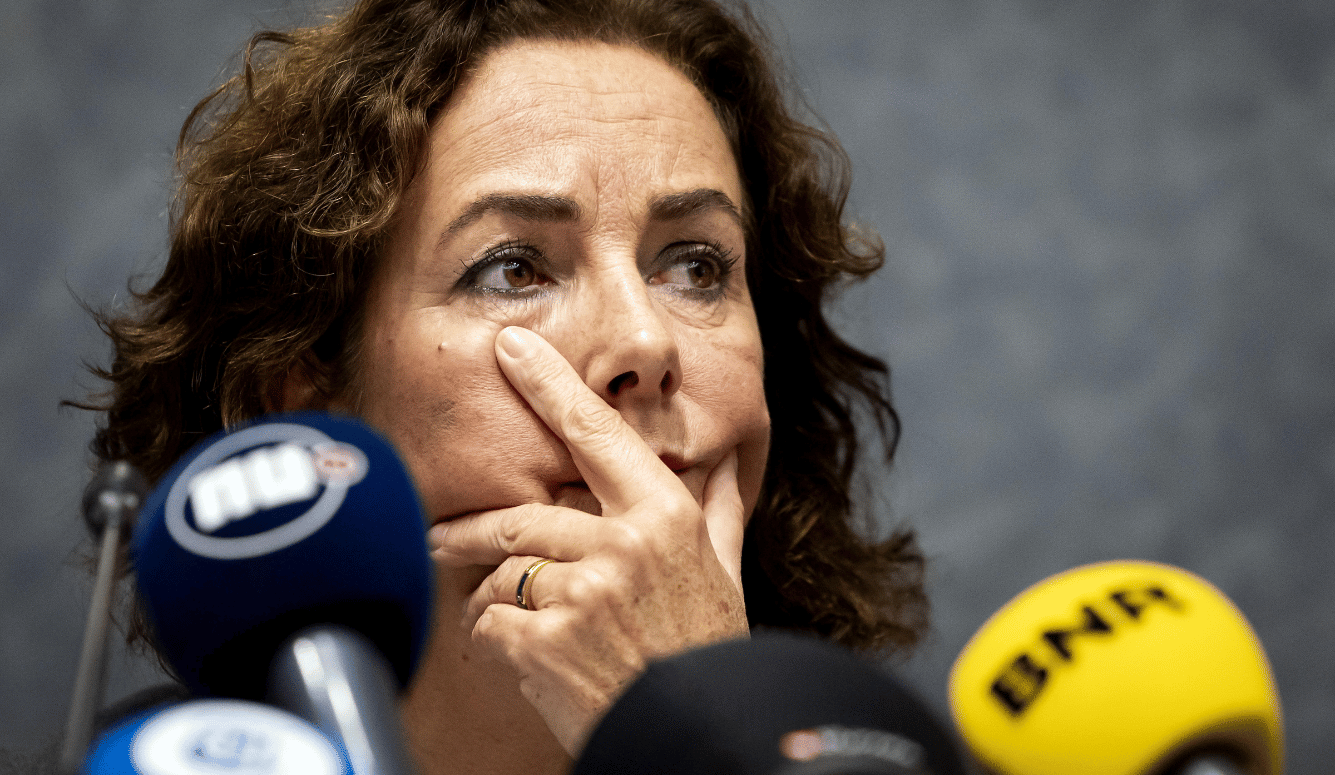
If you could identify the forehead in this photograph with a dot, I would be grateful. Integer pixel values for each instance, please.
(559, 116)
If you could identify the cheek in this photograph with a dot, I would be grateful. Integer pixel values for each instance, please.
(725, 378)
(725, 369)
(469, 440)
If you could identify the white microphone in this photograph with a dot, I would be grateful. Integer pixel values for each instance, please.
(210, 737)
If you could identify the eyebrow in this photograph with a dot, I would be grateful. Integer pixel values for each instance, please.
(529, 207)
(542, 207)
(671, 207)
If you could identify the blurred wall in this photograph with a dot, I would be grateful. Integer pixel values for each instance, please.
(1109, 304)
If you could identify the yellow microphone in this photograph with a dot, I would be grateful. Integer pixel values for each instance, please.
(1118, 668)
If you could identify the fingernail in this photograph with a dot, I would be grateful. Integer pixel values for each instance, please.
(516, 342)
(435, 537)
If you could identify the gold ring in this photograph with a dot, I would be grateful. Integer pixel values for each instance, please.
(521, 592)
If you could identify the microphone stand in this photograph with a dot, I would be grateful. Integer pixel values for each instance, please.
(110, 504)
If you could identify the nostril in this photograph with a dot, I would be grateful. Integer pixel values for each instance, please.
(666, 384)
(624, 381)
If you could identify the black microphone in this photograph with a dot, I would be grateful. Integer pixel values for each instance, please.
(110, 503)
(287, 560)
(770, 705)
(211, 737)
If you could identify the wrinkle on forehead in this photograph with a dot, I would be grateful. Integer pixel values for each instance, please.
(597, 94)
(526, 121)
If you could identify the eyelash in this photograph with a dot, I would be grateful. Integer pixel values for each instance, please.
(510, 249)
(723, 259)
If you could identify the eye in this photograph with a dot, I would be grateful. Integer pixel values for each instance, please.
(507, 269)
(507, 273)
(694, 273)
(696, 267)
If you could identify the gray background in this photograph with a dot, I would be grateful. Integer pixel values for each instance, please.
(1110, 304)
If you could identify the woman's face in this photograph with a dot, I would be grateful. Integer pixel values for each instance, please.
(585, 192)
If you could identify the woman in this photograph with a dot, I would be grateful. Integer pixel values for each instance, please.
(569, 255)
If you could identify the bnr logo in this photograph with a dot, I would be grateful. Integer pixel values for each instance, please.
(1020, 682)
(267, 478)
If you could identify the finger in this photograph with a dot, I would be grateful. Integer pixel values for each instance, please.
(502, 586)
(502, 629)
(490, 537)
(725, 517)
(552, 661)
(620, 469)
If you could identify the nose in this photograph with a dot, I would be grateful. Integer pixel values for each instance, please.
(633, 357)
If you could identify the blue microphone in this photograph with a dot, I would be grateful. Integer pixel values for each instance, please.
(287, 560)
(208, 737)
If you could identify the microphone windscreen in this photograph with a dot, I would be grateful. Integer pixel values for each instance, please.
(773, 704)
(1117, 668)
(286, 522)
(209, 737)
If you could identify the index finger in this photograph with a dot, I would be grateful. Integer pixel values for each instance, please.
(618, 466)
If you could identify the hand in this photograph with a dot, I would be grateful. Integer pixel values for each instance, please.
(655, 574)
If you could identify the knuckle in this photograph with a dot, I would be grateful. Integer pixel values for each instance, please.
(502, 581)
(578, 586)
(512, 530)
(683, 511)
(500, 636)
(593, 588)
(545, 630)
(549, 377)
(631, 539)
(588, 421)
(485, 629)
(599, 589)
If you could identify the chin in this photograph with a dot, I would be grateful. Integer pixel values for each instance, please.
(578, 497)
(460, 583)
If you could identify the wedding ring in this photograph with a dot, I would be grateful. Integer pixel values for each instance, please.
(521, 592)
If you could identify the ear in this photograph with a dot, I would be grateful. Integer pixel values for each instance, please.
(297, 390)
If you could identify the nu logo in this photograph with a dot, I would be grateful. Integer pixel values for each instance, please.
(257, 469)
(264, 479)
(1023, 680)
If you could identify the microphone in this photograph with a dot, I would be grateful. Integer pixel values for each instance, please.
(1119, 668)
(110, 504)
(771, 705)
(287, 559)
(208, 737)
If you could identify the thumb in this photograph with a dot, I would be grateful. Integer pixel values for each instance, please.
(724, 518)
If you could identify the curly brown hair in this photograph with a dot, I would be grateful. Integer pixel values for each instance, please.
(291, 172)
